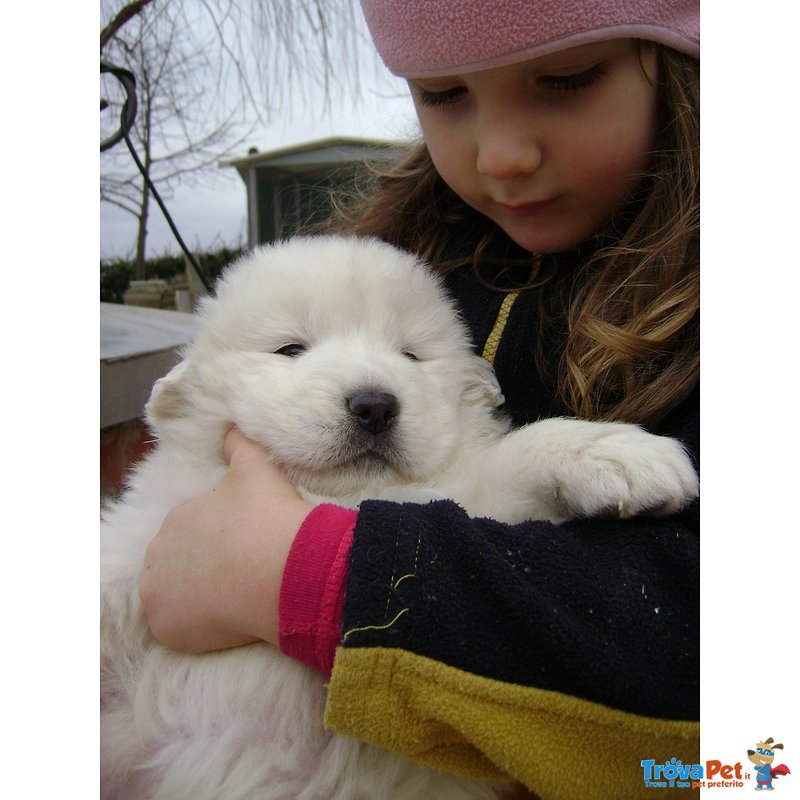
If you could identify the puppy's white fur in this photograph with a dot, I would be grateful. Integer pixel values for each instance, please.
(247, 723)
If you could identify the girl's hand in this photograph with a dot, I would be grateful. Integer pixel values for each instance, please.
(212, 575)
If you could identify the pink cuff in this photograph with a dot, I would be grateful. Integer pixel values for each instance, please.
(311, 603)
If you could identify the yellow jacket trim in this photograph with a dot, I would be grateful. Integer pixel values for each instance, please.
(496, 334)
(561, 747)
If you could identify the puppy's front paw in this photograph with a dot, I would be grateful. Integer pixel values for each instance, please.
(616, 469)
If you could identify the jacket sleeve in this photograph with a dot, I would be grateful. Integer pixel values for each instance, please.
(481, 648)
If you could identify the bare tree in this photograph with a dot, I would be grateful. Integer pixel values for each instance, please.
(120, 18)
(176, 135)
(207, 72)
(277, 52)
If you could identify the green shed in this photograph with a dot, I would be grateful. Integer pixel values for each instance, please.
(291, 187)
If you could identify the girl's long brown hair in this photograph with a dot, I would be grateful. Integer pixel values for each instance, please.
(630, 315)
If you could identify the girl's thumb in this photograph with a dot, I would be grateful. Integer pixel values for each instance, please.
(238, 447)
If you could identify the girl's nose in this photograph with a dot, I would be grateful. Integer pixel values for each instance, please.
(505, 151)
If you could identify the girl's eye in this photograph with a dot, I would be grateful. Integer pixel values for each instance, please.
(448, 97)
(291, 350)
(573, 83)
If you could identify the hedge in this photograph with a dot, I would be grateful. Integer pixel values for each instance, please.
(116, 275)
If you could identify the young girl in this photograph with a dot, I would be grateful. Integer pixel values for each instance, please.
(557, 189)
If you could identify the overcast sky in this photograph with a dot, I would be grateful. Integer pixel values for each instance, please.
(215, 214)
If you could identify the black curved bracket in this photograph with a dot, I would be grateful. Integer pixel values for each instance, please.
(126, 78)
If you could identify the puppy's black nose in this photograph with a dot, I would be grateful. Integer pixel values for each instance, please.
(374, 411)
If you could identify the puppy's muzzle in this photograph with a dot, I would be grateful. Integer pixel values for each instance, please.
(374, 411)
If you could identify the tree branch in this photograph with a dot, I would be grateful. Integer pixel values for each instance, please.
(125, 14)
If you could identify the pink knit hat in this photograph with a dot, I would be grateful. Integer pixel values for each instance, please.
(428, 38)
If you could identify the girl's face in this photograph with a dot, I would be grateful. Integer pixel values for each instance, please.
(548, 148)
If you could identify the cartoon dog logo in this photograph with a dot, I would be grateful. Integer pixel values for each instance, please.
(762, 757)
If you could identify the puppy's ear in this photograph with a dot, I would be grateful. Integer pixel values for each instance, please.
(483, 382)
(170, 395)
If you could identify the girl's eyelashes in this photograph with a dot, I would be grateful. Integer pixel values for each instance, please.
(573, 83)
(556, 83)
(448, 97)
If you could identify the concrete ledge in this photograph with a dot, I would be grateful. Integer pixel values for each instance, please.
(137, 347)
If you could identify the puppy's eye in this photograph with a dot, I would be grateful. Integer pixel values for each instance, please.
(291, 350)
(410, 356)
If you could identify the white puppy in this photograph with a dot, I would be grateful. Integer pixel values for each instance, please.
(346, 360)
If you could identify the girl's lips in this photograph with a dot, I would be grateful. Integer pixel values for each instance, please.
(528, 209)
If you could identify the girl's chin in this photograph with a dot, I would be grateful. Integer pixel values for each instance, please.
(547, 235)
